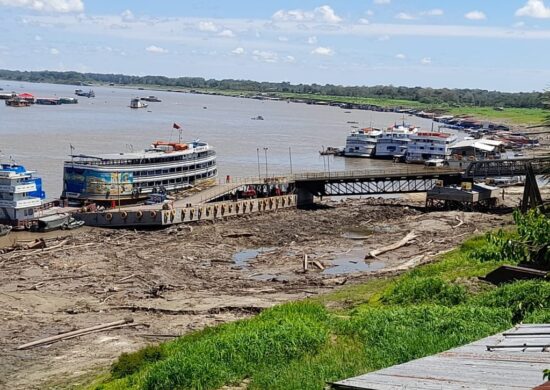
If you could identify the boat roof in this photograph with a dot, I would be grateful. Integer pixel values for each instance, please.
(142, 154)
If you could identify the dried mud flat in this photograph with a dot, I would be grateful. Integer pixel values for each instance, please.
(181, 279)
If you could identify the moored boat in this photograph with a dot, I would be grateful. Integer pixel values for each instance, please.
(48, 101)
(424, 146)
(89, 94)
(361, 142)
(151, 98)
(130, 177)
(136, 103)
(17, 102)
(20, 195)
(68, 100)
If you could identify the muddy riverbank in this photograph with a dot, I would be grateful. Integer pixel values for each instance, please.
(177, 280)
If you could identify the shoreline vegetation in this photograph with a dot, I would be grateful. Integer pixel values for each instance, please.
(357, 329)
(518, 108)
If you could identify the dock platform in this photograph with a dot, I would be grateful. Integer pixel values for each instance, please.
(512, 360)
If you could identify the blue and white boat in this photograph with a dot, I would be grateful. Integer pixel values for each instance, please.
(131, 177)
(21, 195)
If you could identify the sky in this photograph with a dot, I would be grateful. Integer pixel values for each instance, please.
(488, 44)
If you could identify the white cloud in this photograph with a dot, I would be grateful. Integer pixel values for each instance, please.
(227, 33)
(156, 49)
(323, 13)
(519, 24)
(282, 39)
(238, 51)
(127, 16)
(534, 9)
(433, 12)
(54, 51)
(207, 26)
(289, 59)
(475, 15)
(384, 37)
(400, 56)
(382, 2)
(323, 51)
(370, 12)
(62, 6)
(327, 14)
(364, 21)
(404, 16)
(265, 56)
(426, 61)
(312, 40)
(37, 38)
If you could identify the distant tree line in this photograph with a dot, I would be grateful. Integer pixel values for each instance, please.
(453, 97)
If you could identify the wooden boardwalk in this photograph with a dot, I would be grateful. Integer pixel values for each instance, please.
(512, 360)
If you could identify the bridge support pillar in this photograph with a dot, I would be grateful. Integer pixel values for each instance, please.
(304, 197)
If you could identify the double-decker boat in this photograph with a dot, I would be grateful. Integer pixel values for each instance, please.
(20, 195)
(130, 177)
(362, 142)
(424, 146)
(394, 140)
(370, 142)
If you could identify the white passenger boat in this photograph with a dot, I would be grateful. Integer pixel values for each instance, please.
(129, 177)
(361, 142)
(394, 141)
(424, 146)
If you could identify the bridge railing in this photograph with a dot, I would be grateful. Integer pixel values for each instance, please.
(396, 171)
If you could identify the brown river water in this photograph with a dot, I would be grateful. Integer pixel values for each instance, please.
(39, 137)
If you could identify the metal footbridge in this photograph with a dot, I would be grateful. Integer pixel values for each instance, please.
(410, 178)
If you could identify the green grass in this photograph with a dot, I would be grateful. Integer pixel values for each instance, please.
(355, 330)
(516, 116)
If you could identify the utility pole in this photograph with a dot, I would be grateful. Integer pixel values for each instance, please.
(265, 152)
(258, 154)
(290, 157)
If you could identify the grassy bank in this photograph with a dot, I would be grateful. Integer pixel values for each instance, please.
(361, 328)
(515, 116)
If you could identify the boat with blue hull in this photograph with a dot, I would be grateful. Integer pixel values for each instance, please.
(21, 194)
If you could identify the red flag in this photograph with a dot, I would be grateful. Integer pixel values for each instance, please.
(176, 126)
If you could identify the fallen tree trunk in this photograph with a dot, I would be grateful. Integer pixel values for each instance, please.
(404, 241)
(74, 333)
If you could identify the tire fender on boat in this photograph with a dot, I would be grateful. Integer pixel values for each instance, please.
(153, 214)
(124, 215)
(108, 216)
(139, 214)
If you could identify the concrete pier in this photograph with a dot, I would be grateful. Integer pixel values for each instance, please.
(150, 217)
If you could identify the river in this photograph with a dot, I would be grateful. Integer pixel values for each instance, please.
(39, 137)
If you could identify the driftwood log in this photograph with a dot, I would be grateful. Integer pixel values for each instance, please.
(404, 241)
(75, 333)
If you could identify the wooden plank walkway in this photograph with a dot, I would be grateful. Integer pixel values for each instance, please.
(511, 360)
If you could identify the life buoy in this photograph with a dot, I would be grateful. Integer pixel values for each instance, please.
(191, 213)
(108, 216)
(182, 215)
(139, 214)
(166, 217)
(124, 215)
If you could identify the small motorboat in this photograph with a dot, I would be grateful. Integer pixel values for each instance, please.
(258, 118)
(151, 99)
(137, 103)
(5, 230)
